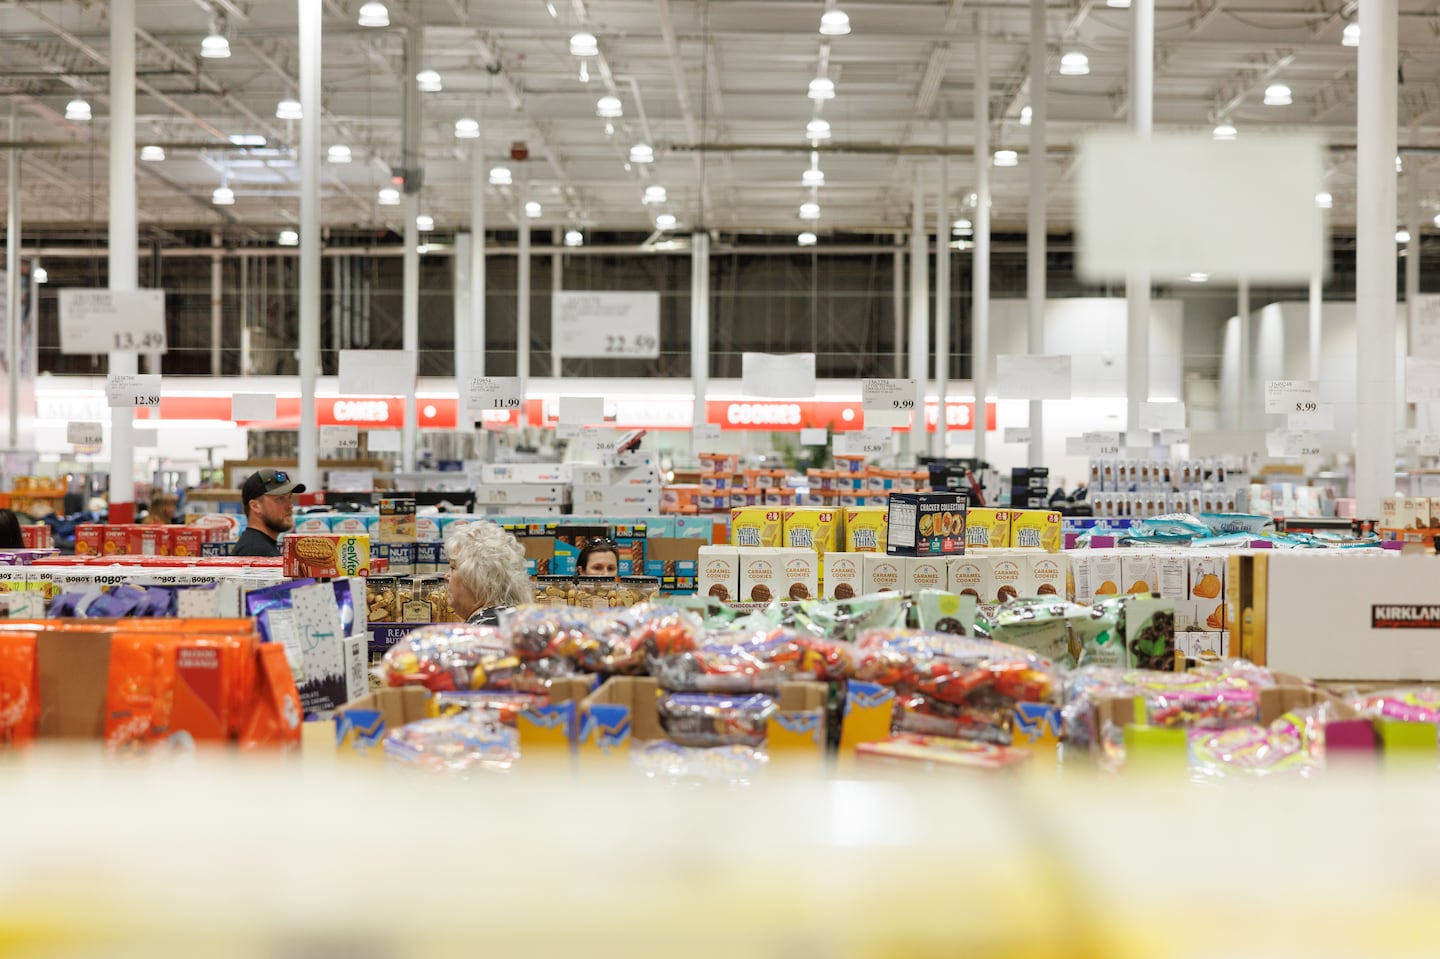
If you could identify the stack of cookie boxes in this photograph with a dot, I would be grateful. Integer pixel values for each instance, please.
(1193, 580)
(1010, 553)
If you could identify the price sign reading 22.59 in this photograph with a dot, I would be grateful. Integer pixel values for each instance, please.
(612, 325)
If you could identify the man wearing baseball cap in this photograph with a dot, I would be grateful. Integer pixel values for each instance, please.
(268, 498)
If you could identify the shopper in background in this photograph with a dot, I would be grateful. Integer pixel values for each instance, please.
(268, 499)
(599, 557)
(162, 508)
(487, 573)
(10, 537)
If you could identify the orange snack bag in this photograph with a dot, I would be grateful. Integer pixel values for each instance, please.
(19, 689)
(273, 715)
(131, 691)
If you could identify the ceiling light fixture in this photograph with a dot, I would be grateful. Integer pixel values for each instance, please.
(374, 14)
(1277, 95)
(428, 81)
(834, 23)
(963, 228)
(1199, 277)
(215, 46)
(1324, 201)
(338, 153)
(810, 210)
(584, 71)
(807, 239)
(574, 238)
(584, 45)
(1224, 131)
(1007, 158)
(40, 275)
(1399, 164)
(289, 110)
(1351, 35)
(1402, 236)
(247, 139)
(642, 153)
(77, 110)
(223, 196)
(818, 129)
(289, 238)
(422, 248)
(665, 221)
(500, 176)
(388, 196)
(1118, 4)
(152, 154)
(654, 195)
(533, 209)
(1025, 114)
(1074, 64)
(822, 88)
(467, 128)
(609, 107)
(424, 223)
(812, 178)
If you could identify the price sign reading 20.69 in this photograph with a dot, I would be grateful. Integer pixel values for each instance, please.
(607, 325)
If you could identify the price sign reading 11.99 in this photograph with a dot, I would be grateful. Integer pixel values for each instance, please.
(888, 395)
(496, 393)
(613, 325)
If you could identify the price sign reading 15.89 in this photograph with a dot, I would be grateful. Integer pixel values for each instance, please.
(888, 395)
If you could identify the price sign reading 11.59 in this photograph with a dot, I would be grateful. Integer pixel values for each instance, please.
(888, 395)
(614, 325)
(496, 393)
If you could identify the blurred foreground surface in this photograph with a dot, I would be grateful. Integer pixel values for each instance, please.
(224, 857)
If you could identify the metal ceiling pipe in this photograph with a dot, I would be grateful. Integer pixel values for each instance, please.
(1137, 282)
(460, 335)
(410, 325)
(1316, 325)
(308, 459)
(124, 260)
(1242, 388)
(1036, 237)
(1375, 255)
(980, 267)
(217, 265)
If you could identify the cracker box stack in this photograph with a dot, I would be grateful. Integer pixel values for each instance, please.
(395, 538)
(630, 486)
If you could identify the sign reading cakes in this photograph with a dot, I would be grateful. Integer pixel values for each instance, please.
(926, 524)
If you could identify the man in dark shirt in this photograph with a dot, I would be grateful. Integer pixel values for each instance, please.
(268, 498)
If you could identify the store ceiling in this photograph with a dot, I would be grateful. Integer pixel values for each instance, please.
(717, 88)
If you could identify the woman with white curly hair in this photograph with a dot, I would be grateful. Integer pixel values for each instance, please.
(487, 572)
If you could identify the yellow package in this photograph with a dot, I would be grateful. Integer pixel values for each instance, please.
(755, 526)
(987, 528)
(811, 527)
(866, 528)
(1035, 529)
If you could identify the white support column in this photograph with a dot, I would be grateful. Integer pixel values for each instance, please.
(1316, 325)
(1412, 280)
(310, 31)
(919, 311)
(124, 242)
(1035, 227)
(478, 181)
(460, 278)
(557, 283)
(700, 321)
(980, 269)
(1375, 371)
(12, 278)
(1137, 282)
(1243, 418)
(245, 317)
(522, 282)
(899, 312)
(942, 301)
(410, 324)
(217, 315)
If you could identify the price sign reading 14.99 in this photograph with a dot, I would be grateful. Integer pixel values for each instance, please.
(888, 395)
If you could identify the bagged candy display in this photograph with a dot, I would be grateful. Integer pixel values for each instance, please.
(449, 657)
(925, 752)
(846, 620)
(734, 663)
(1294, 744)
(671, 762)
(1420, 704)
(951, 669)
(985, 719)
(702, 719)
(496, 705)
(601, 641)
(454, 744)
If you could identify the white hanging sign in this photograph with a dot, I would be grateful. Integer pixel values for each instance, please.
(1162, 416)
(99, 321)
(883, 395)
(615, 325)
(1292, 396)
(377, 372)
(1021, 376)
(84, 434)
(132, 389)
(496, 393)
(1018, 434)
(1102, 443)
(706, 433)
(339, 438)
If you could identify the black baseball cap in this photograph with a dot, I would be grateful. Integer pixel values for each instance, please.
(266, 482)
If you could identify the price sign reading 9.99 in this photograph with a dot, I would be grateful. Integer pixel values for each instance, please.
(607, 325)
(888, 395)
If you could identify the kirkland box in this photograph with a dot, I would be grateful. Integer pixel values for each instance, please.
(926, 524)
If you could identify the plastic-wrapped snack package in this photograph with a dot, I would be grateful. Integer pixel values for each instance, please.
(1096, 640)
(1236, 672)
(733, 664)
(709, 719)
(951, 668)
(978, 720)
(448, 657)
(1217, 708)
(455, 745)
(495, 705)
(1081, 690)
(548, 632)
(1294, 744)
(939, 611)
(1041, 626)
(625, 637)
(671, 762)
(826, 660)
(846, 620)
(1417, 704)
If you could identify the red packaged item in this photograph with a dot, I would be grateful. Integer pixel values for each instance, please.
(90, 539)
(115, 539)
(931, 752)
(183, 540)
(734, 663)
(19, 689)
(272, 715)
(132, 692)
(146, 540)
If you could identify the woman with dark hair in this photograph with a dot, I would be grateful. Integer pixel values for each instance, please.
(10, 537)
(599, 557)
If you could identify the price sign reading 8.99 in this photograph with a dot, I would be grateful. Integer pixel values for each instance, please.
(614, 325)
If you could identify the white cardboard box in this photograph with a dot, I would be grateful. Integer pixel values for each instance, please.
(968, 574)
(522, 494)
(491, 473)
(761, 573)
(1138, 573)
(844, 570)
(718, 572)
(799, 574)
(1173, 571)
(1044, 575)
(926, 572)
(883, 573)
(1003, 582)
